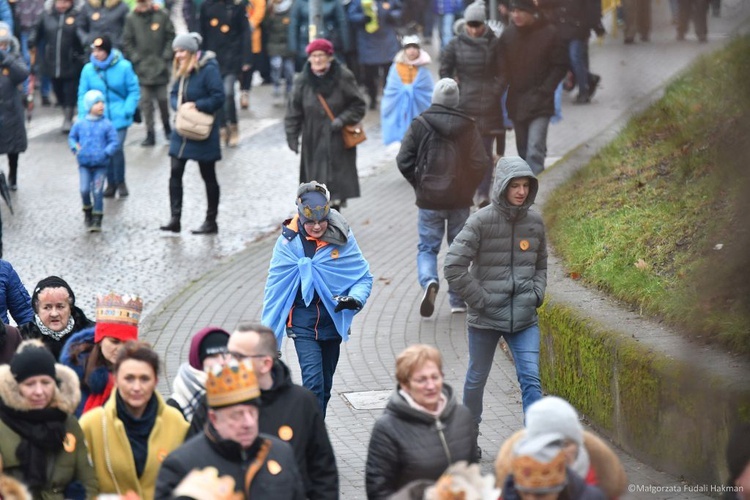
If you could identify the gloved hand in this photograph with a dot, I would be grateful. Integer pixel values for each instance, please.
(337, 124)
(293, 144)
(347, 302)
(496, 26)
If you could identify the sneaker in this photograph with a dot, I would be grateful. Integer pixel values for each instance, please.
(593, 84)
(427, 307)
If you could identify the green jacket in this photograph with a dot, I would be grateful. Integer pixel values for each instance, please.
(147, 43)
(70, 464)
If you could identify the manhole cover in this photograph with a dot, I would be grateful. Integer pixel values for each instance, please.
(368, 400)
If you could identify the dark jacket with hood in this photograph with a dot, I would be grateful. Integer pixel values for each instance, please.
(205, 88)
(64, 53)
(102, 17)
(226, 32)
(277, 476)
(459, 128)
(96, 382)
(498, 262)
(323, 157)
(288, 406)
(574, 18)
(30, 330)
(408, 444)
(147, 43)
(13, 71)
(473, 63)
(533, 61)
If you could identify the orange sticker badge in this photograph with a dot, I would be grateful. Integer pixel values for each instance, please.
(95, 16)
(224, 28)
(274, 467)
(285, 433)
(335, 253)
(386, 5)
(70, 20)
(155, 27)
(524, 244)
(214, 22)
(69, 443)
(161, 455)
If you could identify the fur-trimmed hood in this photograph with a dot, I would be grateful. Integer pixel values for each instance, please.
(67, 393)
(12, 489)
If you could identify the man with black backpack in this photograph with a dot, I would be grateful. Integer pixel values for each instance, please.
(443, 158)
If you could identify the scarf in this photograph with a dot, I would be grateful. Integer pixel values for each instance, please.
(95, 400)
(188, 389)
(102, 65)
(326, 83)
(442, 402)
(42, 433)
(138, 430)
(51, 333)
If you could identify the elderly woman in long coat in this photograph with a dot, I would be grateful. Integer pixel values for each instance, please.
(324, 158)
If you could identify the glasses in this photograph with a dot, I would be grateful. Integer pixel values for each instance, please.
(475, 24)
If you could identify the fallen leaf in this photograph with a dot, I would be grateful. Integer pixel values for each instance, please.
(642, 265)
(575, 276)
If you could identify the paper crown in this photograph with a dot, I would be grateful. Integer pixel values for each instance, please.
(117, 316)
(531, 475)
(232, 384)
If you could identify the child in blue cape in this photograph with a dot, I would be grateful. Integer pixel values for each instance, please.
(93, 140)
(408, 90)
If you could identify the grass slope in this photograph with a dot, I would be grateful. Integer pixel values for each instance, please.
(660, 218)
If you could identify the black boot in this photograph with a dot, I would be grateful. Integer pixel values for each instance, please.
(67, 119)
(150, 139)
(122, 190)
(96, 223)
(167, 131)
(109, 191)
(209, 226)
(12, 176)
(87, 217)
(175, 205)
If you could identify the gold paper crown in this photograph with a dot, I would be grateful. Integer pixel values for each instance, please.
(232, 384)
(121, 309)
(530, 474)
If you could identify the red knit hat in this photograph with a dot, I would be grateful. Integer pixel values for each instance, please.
(320, 44)
(117, 316)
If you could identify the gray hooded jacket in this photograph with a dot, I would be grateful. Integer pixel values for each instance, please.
(498, 262)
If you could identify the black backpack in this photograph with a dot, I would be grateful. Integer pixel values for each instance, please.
(437, 172)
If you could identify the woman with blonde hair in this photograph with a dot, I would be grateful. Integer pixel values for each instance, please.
(423, 429)
(198, 82)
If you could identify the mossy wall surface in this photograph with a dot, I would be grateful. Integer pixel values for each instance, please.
(663, 411)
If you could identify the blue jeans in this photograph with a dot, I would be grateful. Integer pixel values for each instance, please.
(446, 28)
(531, 142)
(431, 225)
(578, 52)
(282, 67)
(485, 186)
(116, 167)
(92, 182)
(318, 360)
(524, 346)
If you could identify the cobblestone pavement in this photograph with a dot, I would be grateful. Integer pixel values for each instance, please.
(190, 281)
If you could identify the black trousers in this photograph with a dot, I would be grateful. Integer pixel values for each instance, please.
(208, 172)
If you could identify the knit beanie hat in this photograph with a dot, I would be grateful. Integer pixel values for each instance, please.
(525, 5)
(188, 41)
(232, 384)
(117, 316)
(55, 281)
(6, 34)
(476, 12)
(92, 97)
(319, 44)
(207, 342)
(103, 42)
(446, 93)
(32, 359)
(313, 201)
(553, 414)
(539, 464)
(411, 40)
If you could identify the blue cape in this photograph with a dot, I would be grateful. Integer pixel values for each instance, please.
(402, 103)
(333, 270)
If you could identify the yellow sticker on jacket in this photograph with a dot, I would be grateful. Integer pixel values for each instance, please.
(286, 433)
(224, 28)
(274, 467)
(95, 16)
(335, 253)
(155, 27)
(524, 244)
(70, 20)
(214, 22)
(69, 443)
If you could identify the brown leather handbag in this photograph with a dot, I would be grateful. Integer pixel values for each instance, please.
(352, 134)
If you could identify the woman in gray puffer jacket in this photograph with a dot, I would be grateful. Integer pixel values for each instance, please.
(498, 264)
(423, 429)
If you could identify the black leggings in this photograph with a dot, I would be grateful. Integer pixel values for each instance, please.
(208, 172)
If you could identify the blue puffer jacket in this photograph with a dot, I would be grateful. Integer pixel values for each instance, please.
(94, 141)
(205, 88)
(381, 46)
(13, 296)
(116, 79)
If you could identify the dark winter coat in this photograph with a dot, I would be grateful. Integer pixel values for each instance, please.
(575, 489)
(462, 130)
(334, 26)
(408, 444)
(473, 63)
(498, 262)
(14, 298)
(381, 46)
(323, 157)
(28, 13)
(533, 61)
(226, 32)
(147, 43)
(229, 458)
(31, 331)
(13, 71)
(204, 87)
(276, 29)
(64, 54)
(102, 17)
(10, 339)
(574, 18)
(288, 406)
